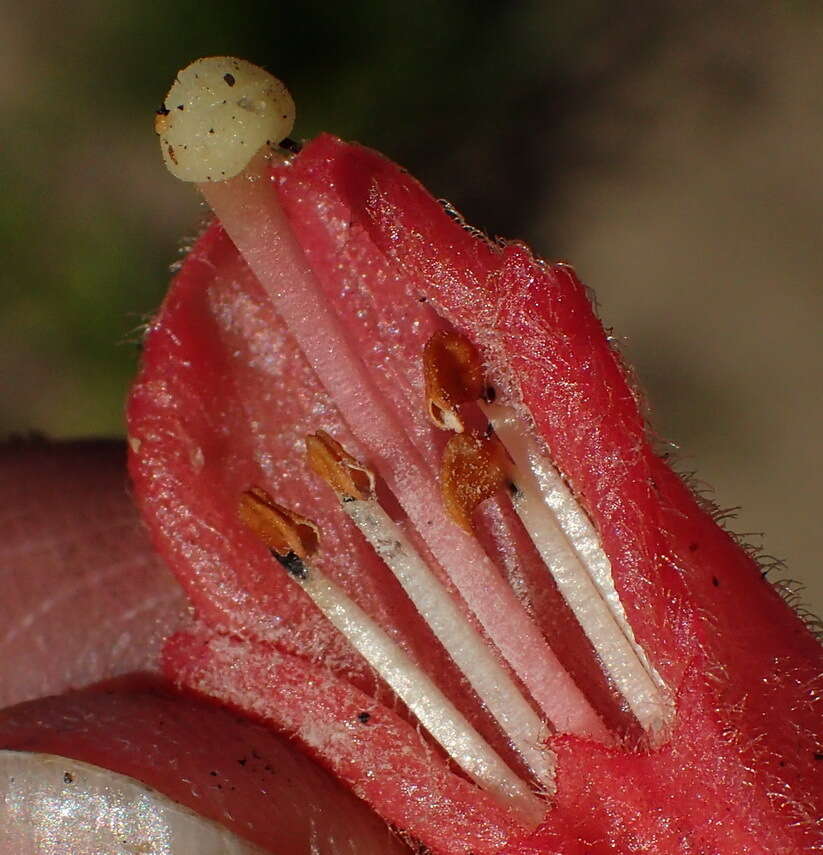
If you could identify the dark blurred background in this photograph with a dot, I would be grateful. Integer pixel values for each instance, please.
(670, 151)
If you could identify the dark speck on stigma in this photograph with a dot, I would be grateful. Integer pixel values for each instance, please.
(229, 78)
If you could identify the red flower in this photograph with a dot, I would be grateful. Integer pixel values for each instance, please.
(683, 717)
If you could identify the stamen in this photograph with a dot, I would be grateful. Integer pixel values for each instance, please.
(249, 210)
(570, 548)
(446, 724)
(560, 530)
(490, 681)
(342, 472)
(474, 469)
(453, 375)
(282, 530)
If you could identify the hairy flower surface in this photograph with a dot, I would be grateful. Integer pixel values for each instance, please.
(678, 695)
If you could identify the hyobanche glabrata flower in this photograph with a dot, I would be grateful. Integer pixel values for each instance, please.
(406, 482)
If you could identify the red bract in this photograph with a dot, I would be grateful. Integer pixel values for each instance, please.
(227, 392)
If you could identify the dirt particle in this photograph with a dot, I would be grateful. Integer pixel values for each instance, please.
(290, 145)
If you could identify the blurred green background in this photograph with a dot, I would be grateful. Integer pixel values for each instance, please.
(670, 151)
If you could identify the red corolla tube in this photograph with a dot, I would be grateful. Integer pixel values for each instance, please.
(402, 475)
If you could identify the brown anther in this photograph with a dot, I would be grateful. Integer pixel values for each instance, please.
(283, 531)
(474, 468)
(453, 374)
(342, 472)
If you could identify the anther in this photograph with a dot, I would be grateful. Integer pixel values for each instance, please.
(282, 530)
(453, 375)
(342, 472)
(474, 469)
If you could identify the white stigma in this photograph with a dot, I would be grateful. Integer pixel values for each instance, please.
(217, 115)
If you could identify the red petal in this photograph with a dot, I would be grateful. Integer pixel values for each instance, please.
(382, 759)
(84, 597)
(536, 322)
(224, 401)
